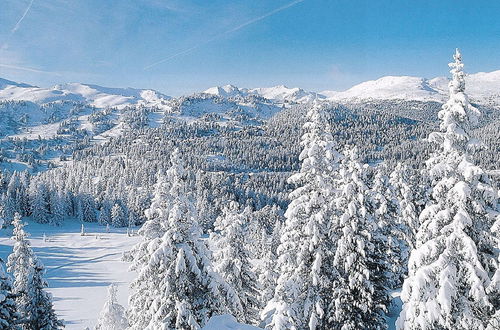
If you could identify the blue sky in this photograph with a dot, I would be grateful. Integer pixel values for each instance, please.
(183, 46)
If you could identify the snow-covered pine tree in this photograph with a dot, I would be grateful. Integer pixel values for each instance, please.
(450, 268)
(401, 180)
(39, 203)
(177, 288)
(232, 260)
(267, 272)
(493, 289)
(12, 196)
(22, 193)
(256, 236)
(33, 303)
(105, 214)
(79, 210)
(88, 208)
(390, 234)
(112, 315)
(8, 208)
(57, 208)
(261, 227)
(305, 253)
(131, 220)
(40, 311)
(19, 264)
(359, 296)
(3, 222)
(206, 211)
(155, 226)
(118, 216)
(8, 310)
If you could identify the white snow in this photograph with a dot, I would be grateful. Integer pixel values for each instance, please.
(46, 131)
(279, 93)
(226, 322)
(98, 96)
(283, 93)
(79, 269)
(481, 87)
(390, 87)
(225, 91)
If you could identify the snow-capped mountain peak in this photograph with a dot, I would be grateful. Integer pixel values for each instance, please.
(390, 87)
(224, 91)
(279, 93)
(284, 93)
(481, 87)
(98, 96)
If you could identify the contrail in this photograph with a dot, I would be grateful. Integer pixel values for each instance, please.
(22, 17)
(218, 36)
(277, 10)
(18, 24)
(23, 68)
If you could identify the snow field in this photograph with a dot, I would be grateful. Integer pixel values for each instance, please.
(79, 268)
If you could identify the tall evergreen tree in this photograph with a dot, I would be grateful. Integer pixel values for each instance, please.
(57, 207)
(359, 296)
(118, 216)
(390, 232)
(105, 214)
(494, 287)
(33, 303)
(454, 260)
(177, 288)
(88, 208)
(402, 183)
(155, 226)
(40, 311)
(20, 264)
(39, 203)
(267, 272)
(232, 260)
(12, 197)
(305, 253)
(3, 222)
(9, 316)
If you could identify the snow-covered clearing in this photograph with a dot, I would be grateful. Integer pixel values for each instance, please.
(79, 268)
(46, 131)
(226, 322)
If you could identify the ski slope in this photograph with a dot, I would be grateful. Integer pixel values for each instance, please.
(79, 268)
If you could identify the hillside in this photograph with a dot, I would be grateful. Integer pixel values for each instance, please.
(483, 88)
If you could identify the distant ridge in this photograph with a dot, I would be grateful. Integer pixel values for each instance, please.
(482, 87)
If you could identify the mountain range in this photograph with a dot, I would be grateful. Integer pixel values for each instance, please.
(93, 95)
(482, 87)
(48, 124)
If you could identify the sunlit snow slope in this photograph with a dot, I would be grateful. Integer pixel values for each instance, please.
(79, 268)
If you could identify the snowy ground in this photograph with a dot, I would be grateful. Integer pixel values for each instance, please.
(79, 269)
(226, 322)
